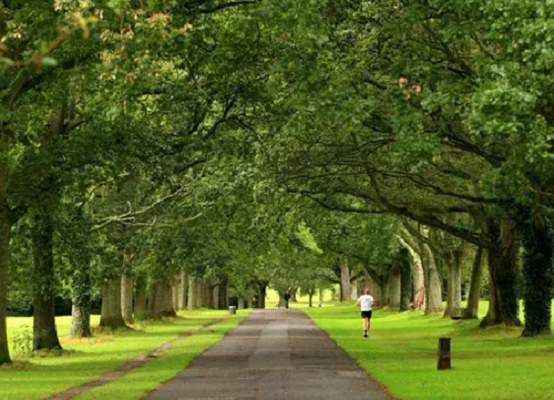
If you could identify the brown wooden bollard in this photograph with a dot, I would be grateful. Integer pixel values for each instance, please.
(444, 353)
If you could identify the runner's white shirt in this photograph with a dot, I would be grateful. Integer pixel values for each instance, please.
(365, 302)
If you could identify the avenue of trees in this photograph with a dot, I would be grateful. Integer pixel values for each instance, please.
(163, 155)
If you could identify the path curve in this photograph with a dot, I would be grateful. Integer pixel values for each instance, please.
(273, 354)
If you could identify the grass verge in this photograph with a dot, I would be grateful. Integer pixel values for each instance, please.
(490, 364)
(87, 359)
(136, 383)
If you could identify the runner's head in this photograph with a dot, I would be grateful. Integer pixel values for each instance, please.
(366, 291)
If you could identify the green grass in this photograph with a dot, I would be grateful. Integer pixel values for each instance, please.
(137, 382)
(37, 378)
(495, 363)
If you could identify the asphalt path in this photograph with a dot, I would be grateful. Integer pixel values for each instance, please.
(273, 354)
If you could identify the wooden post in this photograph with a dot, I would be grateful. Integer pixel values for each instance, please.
(444, 353)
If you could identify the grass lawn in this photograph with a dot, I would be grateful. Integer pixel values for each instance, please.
(137, 382)
(88, 359)
(495, 363)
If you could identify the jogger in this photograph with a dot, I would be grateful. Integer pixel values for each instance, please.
(366, 303)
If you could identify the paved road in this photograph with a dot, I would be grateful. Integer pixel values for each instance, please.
(273, 354)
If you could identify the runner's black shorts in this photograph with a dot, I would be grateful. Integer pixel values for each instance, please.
(366, 314)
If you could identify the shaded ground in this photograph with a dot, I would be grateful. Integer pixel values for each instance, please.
(273, 354)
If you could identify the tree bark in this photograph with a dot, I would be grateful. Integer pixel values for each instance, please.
(155, 300)
(449, 285)
(140, 310)
(395, 287)
(456, 309)
(311, 298)
(320, 297)
(281, 302)
(198, 294)
(241, 303)
(167, 306)
(344, 282)
(418, 274)
(472, 310)
(45, 335)
(127, 298)
(223, 299)
(250, 296)
(215, 295)
(207, 296)
(191, 299)
(538, 272)
(5, 236)
(182, 301)
(263, 291)
(80, 312)
(433, 285)
(175, 290)
(385, 291)
(293, 294)
(354, 289)
(405, 280)
(111, 304)
(503, 257)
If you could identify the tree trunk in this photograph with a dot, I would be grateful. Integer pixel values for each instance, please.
(472, 310)
(198, 294)
(433, 285)
(127, 298)
(456, 309)
(111, 304)
(538, 272)
(80, 313)
(182, 293)
(5, 235)
(45, 335)
(250, 296)
(140, 310)
(395, 287)
(293, 295)
(263, 292)
(175, 290)
(320, 297)
(385, 291)
(191, 299)
(223, 298)
(281, 302)
(241, 303)
(503, 260)
(207, 296)
(311, 298)
(168, 310)
(214, 295)
(405, 280)
(344, 282)
(354, 290)
(449, 285)
(418, 274)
